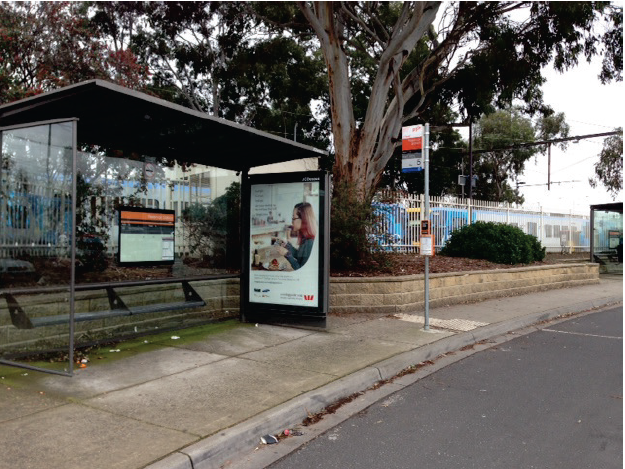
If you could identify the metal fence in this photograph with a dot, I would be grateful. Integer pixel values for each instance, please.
(399, 217)
(38, 220)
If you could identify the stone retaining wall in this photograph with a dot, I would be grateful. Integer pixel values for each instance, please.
(221, 297)
(387, 295)
(392, 295)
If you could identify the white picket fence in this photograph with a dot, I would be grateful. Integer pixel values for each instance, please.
(399, 217)
(39, 220)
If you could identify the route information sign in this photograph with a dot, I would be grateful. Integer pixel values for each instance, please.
(412, 148)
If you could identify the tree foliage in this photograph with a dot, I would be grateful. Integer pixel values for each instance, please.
(612, 46)
(217, 57)
(448, 159)
(553, 126)
(345, 75)
(502, 147)
(46, 45)
(498, 163)
(609, 168)
(212, 229)
(374, 66)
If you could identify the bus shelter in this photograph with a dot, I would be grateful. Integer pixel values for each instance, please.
(120, 216)
(606, 241)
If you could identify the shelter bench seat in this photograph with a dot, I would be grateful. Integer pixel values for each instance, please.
(117, 307)
(606, 257)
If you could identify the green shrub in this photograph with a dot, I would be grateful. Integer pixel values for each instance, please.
(538, 251)
(495, 242)
(353, 219)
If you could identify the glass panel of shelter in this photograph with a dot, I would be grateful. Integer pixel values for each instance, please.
(35, 245)
(608, 241)
(35, 270)
(204, 242)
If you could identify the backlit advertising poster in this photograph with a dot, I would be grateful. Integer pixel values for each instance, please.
(287, 266)
(146, 236)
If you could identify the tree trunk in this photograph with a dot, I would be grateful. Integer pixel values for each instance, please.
(216, 98)
(362, 151)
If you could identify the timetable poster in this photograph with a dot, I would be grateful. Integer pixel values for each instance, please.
(146, 236)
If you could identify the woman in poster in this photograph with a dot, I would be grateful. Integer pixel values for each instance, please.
(305, 225)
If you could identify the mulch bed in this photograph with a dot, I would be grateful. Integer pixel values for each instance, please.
(56, 272)
(408, 264)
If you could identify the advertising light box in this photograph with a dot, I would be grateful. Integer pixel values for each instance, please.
(146, 236)
(287, 262)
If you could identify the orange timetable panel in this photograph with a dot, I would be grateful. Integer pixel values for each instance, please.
(145, 218)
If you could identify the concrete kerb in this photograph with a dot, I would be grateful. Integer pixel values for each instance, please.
(213, 452)
(173, 461)
(394, 365)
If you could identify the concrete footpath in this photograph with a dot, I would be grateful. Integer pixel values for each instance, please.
(197, 404)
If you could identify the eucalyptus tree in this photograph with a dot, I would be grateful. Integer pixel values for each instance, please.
(504, 141)
(389, 64)
(498, 161)
(478, 54)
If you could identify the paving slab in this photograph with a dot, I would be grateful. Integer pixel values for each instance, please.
(77, 437)
(335, 322)
(19, 402)
(503, 309)
(106, 377)
(334, 354)
(394, 330)
(189, 403)
(206, 399)
(247, 338)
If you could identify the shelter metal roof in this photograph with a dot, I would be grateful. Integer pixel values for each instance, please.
(610, 207)
(120, 118)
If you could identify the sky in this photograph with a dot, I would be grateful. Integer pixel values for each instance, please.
(590, 108)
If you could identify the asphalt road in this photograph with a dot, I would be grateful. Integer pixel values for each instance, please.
(549, 399)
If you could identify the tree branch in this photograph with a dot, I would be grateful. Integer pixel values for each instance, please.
(327, 27)
(314, 21)
(390, 65)
(377, 22)
(361, 23)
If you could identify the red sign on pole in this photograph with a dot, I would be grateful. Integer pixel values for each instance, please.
(411, 144)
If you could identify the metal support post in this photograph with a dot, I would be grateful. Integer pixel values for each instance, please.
(426, 164)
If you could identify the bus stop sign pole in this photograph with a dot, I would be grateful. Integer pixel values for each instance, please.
(416, 157)
(426, 164)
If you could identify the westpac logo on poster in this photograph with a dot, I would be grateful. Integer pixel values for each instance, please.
(309, 297)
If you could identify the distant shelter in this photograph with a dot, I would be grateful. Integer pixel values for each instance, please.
(606, 242)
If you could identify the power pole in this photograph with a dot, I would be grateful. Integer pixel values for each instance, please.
(470, 157)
